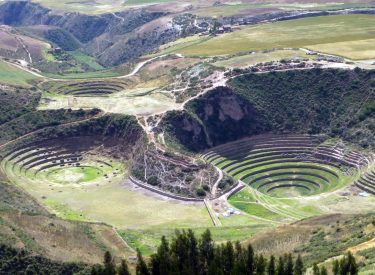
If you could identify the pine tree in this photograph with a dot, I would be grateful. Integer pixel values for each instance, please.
(123, 268)
(261, 264)
(298, 266)
(206, 250)
(193, 253)
(323, 271)
(185, 255)
(95, 270)
(250, 261)
(353, 268)
(228, 257)
(289, 264)
(271, 269)
(141, 268)
(109, 266)
(336, 267)
(316, 270)
(216, 266)
(240, 260)
(161, 262)
(180, 252)
(155, 265)
(280, 267)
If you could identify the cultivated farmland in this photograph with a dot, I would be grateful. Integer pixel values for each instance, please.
(352, 32)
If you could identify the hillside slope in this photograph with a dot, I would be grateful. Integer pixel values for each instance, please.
(338, 103)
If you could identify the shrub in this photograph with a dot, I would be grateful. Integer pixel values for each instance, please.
(201, 192)
(153, 180)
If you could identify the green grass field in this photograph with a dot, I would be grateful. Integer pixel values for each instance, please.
(147, 240)
(100, 6)
(242, 61)
(238, 8)
(92, 197)
(318, 33)
(97, 7)
(97, 193)
(86, 59)
(11, 75)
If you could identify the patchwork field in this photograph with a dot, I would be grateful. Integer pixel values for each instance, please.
(254, 8)
(90, 7)
(315, 32)
(97, 6)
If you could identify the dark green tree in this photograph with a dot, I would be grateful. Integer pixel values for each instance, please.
(336, 267)
(193, 252)
(298, 266)
(227, 257)
(206, 250)
(240, 260)
(323, 271)
(261, 264)
(141, 268)
(271, 268)
(161, 261)
(316, 270)
(353, 268)
(109, 265)
(289, 267)
(123, 269)
(250, 261)
(280, 267)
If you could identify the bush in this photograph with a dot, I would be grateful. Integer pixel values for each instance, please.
(206, 187)
(153, 180)
(201, 192)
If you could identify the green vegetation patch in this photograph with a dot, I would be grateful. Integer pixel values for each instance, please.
(148, 240)
(11, 75)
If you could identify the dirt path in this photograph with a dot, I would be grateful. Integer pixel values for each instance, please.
(362, 246)
(143, 63)
(26, 69)
(273, 208)
(214, 187)
(118, 17)
(219, 79)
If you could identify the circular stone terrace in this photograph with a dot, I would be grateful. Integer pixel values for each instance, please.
(288, 165)
(58, 163)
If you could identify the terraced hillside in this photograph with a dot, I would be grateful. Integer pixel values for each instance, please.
(87, 88)
(288, 165)
(63, 161)
(367, 181)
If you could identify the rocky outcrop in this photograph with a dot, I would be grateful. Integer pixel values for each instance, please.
(336, 103)
(203, 122)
